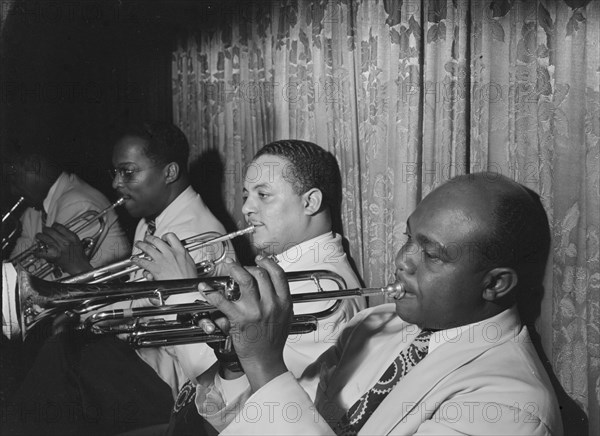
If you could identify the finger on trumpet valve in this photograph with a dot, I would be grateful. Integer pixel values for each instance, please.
(229, 288)
(206, 325)
(226, 347)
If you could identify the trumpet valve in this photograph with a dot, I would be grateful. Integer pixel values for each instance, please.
(232, 290)
(205, 267)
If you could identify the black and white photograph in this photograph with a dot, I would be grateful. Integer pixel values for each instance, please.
(300, 217)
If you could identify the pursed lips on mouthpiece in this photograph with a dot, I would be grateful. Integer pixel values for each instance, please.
(398, 291)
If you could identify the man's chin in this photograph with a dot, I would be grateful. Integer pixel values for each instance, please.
(263, 247)
(134, 212)
(405, 310)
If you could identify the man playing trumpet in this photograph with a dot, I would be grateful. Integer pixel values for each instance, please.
(448, 356)
(292, 195)
(124, 388)
(55, 197)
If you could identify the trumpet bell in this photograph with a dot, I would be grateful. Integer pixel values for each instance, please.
(32, 305)
(40, 299)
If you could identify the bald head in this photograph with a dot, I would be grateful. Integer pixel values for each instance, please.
(517, 230)
(475, 246)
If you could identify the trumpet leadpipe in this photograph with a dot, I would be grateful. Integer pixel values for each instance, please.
(12, 210)
(393, 290)
(196, 242)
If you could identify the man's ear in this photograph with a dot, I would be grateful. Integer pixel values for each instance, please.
(499, 282)
(171, 172)
(312, 201)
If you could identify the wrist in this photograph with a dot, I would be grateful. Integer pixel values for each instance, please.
(261, 373)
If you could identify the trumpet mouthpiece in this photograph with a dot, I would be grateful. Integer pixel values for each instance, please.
(119, 202)
(395, 290)
(249, 229)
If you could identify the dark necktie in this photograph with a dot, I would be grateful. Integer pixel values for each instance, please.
(44, 218)
(360, 412)
(151, 227)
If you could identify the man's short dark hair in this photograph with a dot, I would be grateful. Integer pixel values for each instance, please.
(310, 167)
(165, 142)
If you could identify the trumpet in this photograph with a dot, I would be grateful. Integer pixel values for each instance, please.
(125, 267)
(28, 257)
(40, 299)
(6, 240)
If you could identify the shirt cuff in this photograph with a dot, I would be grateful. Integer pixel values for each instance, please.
(231, 389)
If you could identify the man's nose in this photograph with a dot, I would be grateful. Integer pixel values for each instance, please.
(407, 257)
(248, 207)
(117, 181)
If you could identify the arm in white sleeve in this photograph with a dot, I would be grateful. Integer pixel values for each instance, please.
(219, 400)
(10, 319)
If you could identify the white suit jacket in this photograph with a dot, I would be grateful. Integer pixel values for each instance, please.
(186, 216)
(488, 380)
(217, 400)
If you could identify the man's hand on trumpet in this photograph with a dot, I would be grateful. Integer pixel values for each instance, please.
(169, 260)
(258, 322)
(63, 248)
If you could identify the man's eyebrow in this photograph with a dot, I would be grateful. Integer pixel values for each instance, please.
(422, 239)
(262, 185)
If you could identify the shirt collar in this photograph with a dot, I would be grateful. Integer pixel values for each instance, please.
(176, 206)
(292, 254)
(453, 334)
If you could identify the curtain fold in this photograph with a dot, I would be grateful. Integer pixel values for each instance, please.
(407, 94)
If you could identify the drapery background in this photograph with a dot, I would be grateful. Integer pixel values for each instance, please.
(407, 94)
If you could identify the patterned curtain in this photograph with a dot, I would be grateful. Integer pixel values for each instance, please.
(407, 94)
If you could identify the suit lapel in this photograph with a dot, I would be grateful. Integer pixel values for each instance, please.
(448, 357)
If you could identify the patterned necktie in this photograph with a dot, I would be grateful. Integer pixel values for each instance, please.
(360, 412)
(151, 227)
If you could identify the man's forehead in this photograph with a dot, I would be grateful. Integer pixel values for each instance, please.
(266, 170)
(455, 210)
(130, 148)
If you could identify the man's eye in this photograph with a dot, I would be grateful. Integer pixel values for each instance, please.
(262, 195)
(244, 198)
(432, 256)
